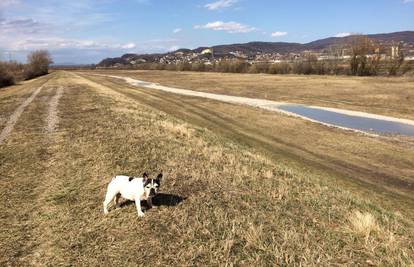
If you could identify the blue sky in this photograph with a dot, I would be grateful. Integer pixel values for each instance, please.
(85, 31)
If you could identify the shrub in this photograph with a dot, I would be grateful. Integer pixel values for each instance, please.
(280, 68)
(239, 66)
(198, 66)
(6, 76)
(38, 64)
(185, 66)
(259, 68)
(394, 65)
(407, 67)
(235, 66)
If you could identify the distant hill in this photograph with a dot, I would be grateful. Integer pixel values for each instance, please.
(282, 47)
(387, 38)
(253, 48)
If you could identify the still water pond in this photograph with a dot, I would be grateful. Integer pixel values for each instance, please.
(348, 121)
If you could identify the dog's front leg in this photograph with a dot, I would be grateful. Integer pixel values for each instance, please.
(138, 204)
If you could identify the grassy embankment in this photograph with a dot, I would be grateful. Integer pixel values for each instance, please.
(241, 205)
(383, 162)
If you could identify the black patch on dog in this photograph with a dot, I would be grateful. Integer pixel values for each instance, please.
(158, 179)
(131, 178)
(147, 181)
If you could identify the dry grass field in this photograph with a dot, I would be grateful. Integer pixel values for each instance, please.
(242, 186)
(393, 96)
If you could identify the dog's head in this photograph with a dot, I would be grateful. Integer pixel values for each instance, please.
(151, 186)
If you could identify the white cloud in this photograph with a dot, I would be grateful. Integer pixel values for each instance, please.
(231, 27)
(343, 34)
(278, 34)
(173, 48)
(128, 46)
(47, 26)
(177, 30)
(31, 43)
(21, 26)
(408, 1)
(8, 3)
(220, 4)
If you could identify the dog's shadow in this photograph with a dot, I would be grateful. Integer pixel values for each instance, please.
(161, 199)
(169, 200)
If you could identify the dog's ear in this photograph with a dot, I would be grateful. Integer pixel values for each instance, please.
(159, 177)
(145, 178)
(146, 181)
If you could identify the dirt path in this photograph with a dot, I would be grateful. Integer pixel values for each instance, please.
(16, 115)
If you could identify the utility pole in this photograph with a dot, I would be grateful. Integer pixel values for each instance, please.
(10, 53)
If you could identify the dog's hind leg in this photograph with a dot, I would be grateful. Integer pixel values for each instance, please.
(116, 200)
(108, 198)
(105, 207)
(149, 202)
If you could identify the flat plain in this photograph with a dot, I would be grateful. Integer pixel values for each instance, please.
(242, 186)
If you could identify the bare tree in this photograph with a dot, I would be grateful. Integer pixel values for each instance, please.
(396, 62)
(38, 63)
(365, 56)
(335, 53)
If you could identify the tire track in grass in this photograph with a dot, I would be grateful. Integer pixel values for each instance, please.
(52, 116)
(16, 115)
(22, 162)
(46, 246)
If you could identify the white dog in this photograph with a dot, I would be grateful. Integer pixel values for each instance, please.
(132, 188)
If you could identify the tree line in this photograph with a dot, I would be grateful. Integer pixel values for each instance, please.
(309, 66)
(365, 60)
(38, 63)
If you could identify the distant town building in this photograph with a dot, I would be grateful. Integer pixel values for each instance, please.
(395, 52)
(207, 51)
